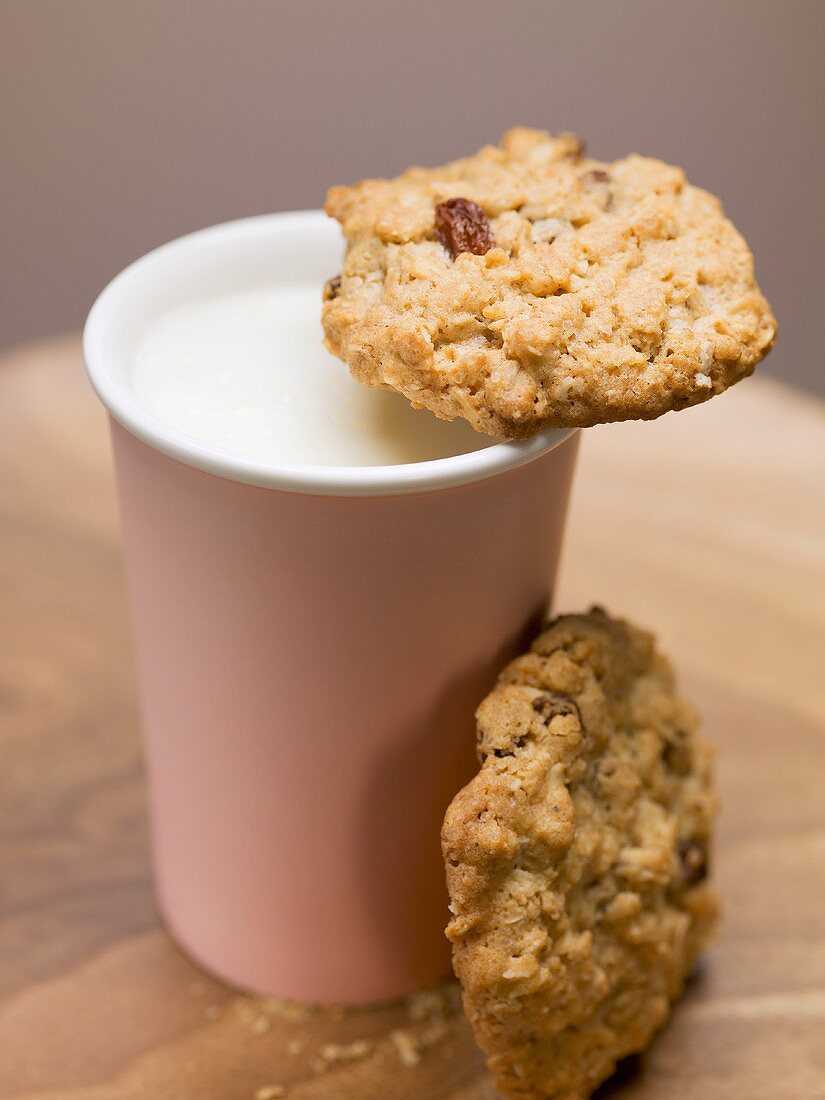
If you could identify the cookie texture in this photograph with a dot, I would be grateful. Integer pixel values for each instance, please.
(577, 858)
(587, 292)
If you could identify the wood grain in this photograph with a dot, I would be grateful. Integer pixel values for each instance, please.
(709, 526)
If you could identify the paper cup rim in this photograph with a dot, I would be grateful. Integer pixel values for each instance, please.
(390, 480)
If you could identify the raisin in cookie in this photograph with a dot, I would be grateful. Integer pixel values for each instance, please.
(577, 858)
(529, 286)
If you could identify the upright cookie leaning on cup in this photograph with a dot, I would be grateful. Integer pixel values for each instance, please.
(529, 286)
(577, 858)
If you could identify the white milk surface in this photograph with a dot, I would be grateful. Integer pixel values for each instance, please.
(248, 372)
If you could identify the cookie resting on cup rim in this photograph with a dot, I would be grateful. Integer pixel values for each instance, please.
(529, 286)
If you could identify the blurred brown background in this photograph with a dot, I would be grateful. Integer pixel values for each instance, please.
(126, 122)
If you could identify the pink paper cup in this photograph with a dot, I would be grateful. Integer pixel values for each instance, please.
(311, 644)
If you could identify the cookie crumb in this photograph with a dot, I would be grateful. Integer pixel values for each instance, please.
(337, 1053)
(434, 1004)
(289, 1011)
(270, 1092)
(406, 1047)
(424, 1005)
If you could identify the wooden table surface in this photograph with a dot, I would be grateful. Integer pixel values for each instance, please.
(708, 525)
